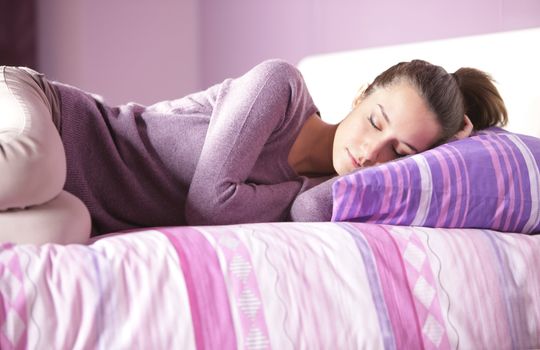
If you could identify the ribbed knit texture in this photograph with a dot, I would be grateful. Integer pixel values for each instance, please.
(218, 156)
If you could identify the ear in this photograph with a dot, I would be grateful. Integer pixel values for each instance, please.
(466, 130)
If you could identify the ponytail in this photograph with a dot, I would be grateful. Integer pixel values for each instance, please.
(483, 104)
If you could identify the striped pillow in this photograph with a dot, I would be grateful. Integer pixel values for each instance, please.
(490, 180)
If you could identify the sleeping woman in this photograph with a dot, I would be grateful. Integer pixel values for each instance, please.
(250, 149)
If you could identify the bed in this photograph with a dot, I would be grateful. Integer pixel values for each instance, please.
(414, 269)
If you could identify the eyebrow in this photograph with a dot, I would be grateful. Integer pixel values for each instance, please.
(388, 121)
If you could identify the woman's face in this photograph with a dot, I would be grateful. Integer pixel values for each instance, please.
(391, 122)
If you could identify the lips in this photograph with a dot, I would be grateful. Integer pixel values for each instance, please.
(353, 160)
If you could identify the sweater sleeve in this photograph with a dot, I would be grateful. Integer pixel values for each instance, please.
(314, 204)
(247, 111)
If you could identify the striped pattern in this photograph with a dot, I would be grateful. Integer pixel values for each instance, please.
(275, 286)
(490, 180)
(243, 289)
(206, 289)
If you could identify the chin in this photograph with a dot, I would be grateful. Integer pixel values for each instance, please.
(343, 170)
(343, 167)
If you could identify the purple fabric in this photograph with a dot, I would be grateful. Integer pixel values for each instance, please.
(214, 157)
(490, 180)
(314, 204)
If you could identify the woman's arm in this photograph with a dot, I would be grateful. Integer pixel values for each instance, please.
(314, 204)
(247, 111)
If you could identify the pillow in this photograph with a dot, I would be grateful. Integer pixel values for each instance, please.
(490, 180)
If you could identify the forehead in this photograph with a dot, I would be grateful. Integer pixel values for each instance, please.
(401, 97)
(410, 118)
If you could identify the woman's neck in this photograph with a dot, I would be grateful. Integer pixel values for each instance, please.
(311, 153)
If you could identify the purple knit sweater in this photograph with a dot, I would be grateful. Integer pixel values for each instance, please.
(218, 156)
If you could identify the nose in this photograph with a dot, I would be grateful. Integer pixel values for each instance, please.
(371, 154)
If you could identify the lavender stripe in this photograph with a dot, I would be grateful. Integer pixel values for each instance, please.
(395, 286)
(406, 198)
(357, 208)
(534, 178)
(517, 164)
(414, 196)
(338, 191)
(505, 174)
(395, 193)
(385, 325)
(345, 199)
(389, 194)
(453, 214)
(446, 198)
(437, 178)
(499, 184)
(516, 316)
(355, 201)
(511, 174)
(100, 312)
(397, 198)
(468, 189)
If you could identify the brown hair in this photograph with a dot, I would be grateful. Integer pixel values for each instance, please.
(467, 91)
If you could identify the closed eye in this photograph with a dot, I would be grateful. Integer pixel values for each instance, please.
(397, 154)
(372, 122)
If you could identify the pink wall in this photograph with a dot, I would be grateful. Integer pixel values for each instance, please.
(125, 50)
(239, 33)
(149, 50)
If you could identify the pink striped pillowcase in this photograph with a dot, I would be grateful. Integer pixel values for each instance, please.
(490, 180)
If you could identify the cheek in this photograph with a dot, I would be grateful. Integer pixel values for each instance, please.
(343, 138)
(354, 128)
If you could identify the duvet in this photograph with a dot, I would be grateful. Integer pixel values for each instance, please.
(275, 286)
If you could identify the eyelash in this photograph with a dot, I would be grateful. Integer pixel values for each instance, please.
(372, 122)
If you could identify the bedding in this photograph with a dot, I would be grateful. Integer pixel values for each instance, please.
(489, 180)
(276, 285)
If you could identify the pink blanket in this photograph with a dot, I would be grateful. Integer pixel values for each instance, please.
(280, 285)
